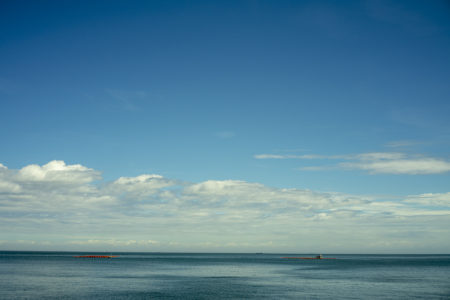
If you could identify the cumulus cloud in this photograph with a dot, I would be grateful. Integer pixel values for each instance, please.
(54, 188)
(9, 187)
(70, 206)
(375, 163)
(237, 194)
(57, 171)
(140, 187)
(142, 182)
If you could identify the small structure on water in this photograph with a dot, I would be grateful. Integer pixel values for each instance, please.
(315, 257)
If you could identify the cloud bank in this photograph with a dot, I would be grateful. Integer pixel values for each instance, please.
(70, 207)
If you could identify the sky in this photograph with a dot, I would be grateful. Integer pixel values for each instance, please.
(225, 126)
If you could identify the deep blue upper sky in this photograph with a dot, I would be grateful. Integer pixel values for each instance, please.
(194, 90)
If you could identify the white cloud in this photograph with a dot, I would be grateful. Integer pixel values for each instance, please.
(142, 183)
(9, 187)
(401, 166)
(57, 171)
(375, 163)
(234, 188)
(151, 212)
(235, 194)
(113, 242)
(378, 156)
(431, 199)
(146, 181)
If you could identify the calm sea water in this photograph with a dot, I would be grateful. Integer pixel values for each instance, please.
(58, 275)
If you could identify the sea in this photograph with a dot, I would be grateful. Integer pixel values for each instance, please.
(61, 275)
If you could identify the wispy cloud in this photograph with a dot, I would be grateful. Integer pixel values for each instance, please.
(433, 199)
(150, 211)
(375, 163)
(411, 166)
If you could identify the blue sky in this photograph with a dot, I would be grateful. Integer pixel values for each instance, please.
(216, 126)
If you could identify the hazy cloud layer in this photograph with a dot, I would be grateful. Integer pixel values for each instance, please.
(375, 163)
(69, 207)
